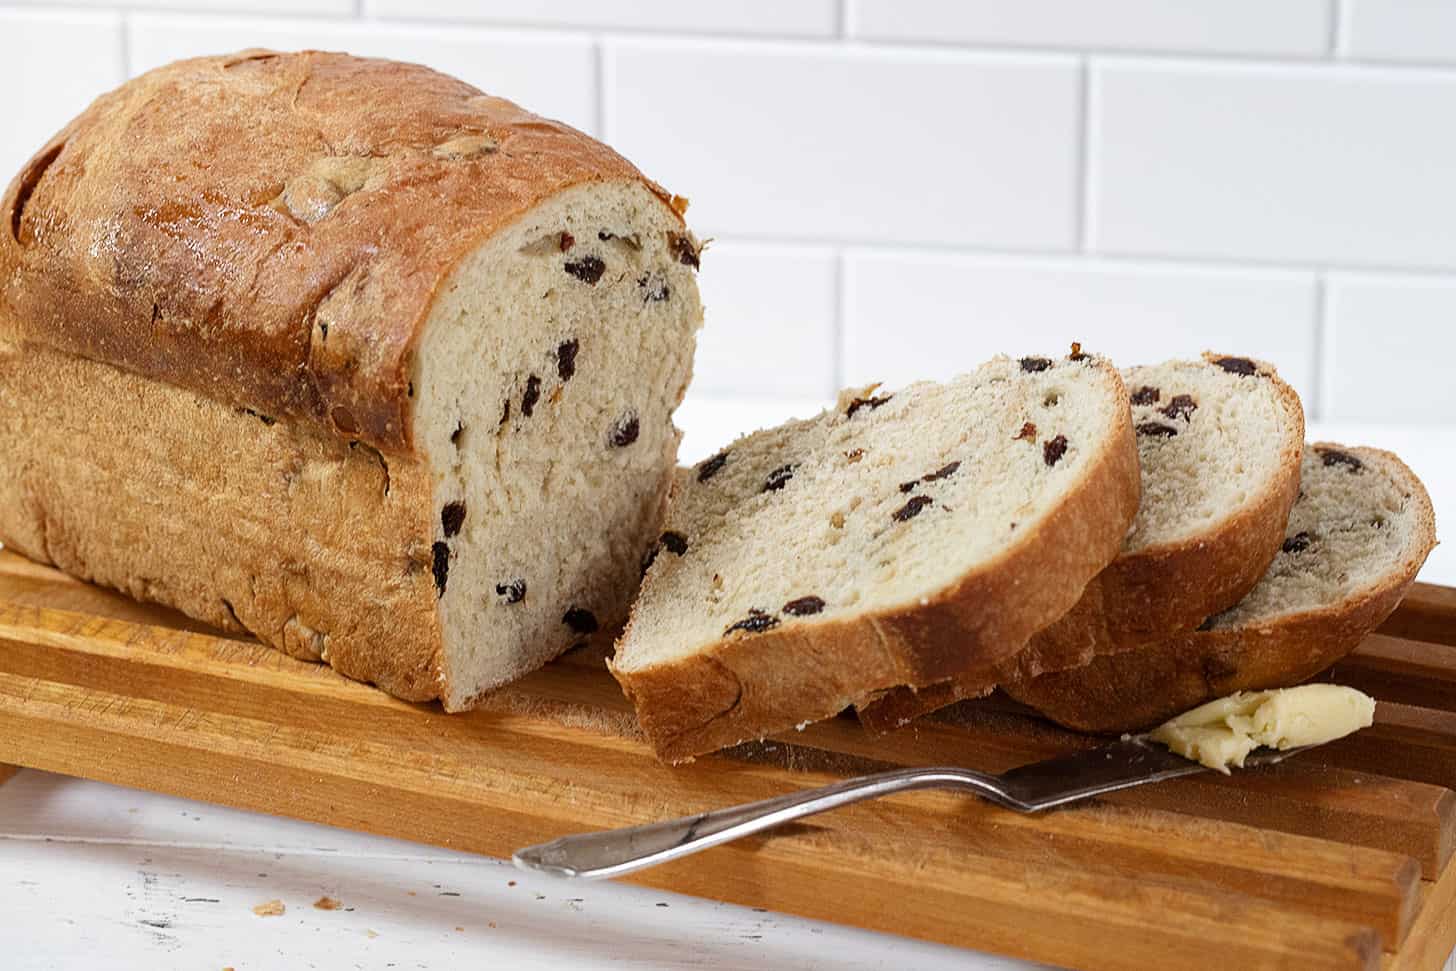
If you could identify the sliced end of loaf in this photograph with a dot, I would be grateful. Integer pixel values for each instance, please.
(549, 369)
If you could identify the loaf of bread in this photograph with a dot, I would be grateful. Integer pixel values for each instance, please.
(896, 539)
(1219, 444)
(1356, 538)
(346, 354)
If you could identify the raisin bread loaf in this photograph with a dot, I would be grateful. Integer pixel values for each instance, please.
(896, 539)
(346, 354)
(1357, 535)
(1219, 443)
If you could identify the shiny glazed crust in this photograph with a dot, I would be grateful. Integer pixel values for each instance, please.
(148, 235)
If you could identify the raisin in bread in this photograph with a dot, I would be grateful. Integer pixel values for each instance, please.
(895, 539)
(1219, 443)
(392, 388)
(1357, 535)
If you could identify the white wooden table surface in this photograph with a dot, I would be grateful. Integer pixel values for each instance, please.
(93, 875)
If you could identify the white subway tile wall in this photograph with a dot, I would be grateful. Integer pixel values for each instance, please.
(1390, 348)
(772, 313)
(41, 100)
(853, 144)
(1400, 30)
(955, 310)
(898, 188)
(952, 311)
(773, 18)
(342, 8)
(1282, 163)
(1298, 28)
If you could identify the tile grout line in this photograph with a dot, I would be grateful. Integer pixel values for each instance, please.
(599, 73)
(1083, 215)
(839, 305)
(1319, 371)
(125, 41)
(1339, 29)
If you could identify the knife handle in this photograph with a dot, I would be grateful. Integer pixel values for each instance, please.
(614, 852)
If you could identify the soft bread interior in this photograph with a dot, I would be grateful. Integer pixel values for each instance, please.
(1211, 439)
(1360, 519)
(882, 502)
(550, 366)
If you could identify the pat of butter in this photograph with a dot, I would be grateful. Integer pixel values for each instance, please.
(1224, 732)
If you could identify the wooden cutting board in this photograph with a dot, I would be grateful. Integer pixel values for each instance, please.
(1340, 858)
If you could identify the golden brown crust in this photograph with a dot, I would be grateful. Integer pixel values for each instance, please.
(1140, 688)
(270, 229)
(317, 547)
(741, 687)
(1152, 593)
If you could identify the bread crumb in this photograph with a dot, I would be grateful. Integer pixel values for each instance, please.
(326, 903)
(490, 924)
(273, 908)
(371, 934)
(460, 929)
(411, 893)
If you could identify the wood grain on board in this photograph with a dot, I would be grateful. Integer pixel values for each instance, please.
(1337, 859)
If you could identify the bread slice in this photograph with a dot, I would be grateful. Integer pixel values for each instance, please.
(1219, 442)
(895, 539)
(391, 388)
(1357, 536)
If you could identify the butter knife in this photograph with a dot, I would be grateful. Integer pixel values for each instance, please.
(1132, 761)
